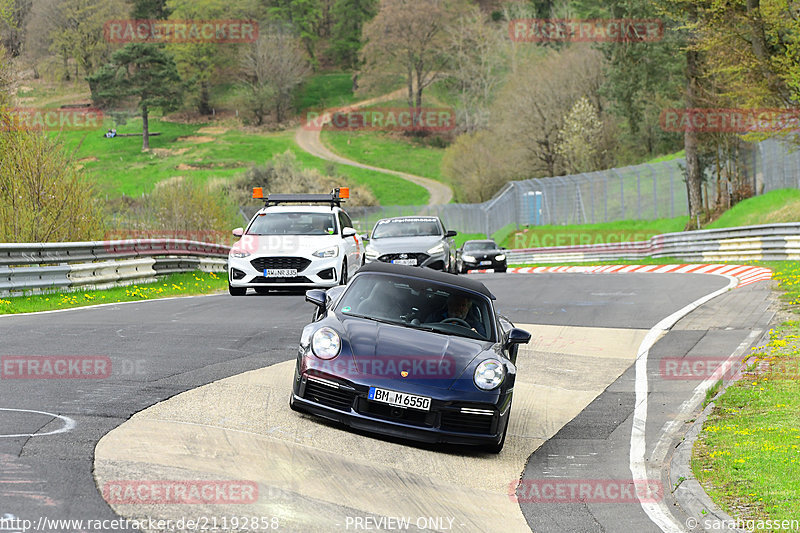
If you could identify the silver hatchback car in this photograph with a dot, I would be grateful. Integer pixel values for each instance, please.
(414, 240)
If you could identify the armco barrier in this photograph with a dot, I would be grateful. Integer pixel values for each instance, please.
(32, 267)
(772, 242)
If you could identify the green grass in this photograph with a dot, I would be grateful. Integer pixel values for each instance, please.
(782, 205)
(748, 455)
(326, 90)
(605, 232)
(667, 157)
(120, 167)
(171, 285)
(387, 151)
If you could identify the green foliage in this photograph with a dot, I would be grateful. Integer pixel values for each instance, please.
(350, 16)
(149, 9)
(324, 90)
(199, 64)
(42, 196)
(305, 16)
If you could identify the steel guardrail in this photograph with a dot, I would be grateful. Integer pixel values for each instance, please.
(766, 242)
(38, 267)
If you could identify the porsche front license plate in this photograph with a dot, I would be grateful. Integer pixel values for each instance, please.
(399, 399)
(412, 262)
(280, 273)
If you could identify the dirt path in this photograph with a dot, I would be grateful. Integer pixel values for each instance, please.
(309, 140)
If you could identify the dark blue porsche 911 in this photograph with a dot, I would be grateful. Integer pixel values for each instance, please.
(412, 353)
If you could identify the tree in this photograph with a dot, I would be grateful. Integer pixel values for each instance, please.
(406, 39)
(200, 64)
(273, 67)
(477, 65)
(149, 9)
(350, 17)
(144, 72)
(78, 31)
(42, 196)
(13, 15)
(579, 138)
(305, 16)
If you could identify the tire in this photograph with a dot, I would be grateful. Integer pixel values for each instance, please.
(236, 291)
(498, 446)
(343, 279)
(262, 290)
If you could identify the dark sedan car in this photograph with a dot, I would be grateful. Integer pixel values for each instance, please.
(412, 353)
(475, 255)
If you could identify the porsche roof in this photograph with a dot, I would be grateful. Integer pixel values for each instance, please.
(428, 274)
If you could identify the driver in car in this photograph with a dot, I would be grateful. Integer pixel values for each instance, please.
(459, 308)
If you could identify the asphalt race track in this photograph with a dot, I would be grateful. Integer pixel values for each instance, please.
(573, 415)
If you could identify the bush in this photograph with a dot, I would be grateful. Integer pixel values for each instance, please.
(283, 174)
(42, 195)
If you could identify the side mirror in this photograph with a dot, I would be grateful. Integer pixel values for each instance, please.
(317, 297)
(238, 232)
(515, 336)
(348, 232)
(450, 233)
(364, 236)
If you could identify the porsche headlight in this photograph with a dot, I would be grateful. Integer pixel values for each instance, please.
(325, 343)
(468, 258)
(439, 248)
(489, 374)
(333, 251)
(500, 257)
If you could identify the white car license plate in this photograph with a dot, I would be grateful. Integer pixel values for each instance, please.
(280, 273)
(412, 262)
(486, 262)
(399, 399)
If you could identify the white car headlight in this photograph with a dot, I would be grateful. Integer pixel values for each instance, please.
(439, 248)
(500, 257)
(489, 374)
(238, 253)
(468, 258)
(371, 253)
(325, 343)
(327, 252)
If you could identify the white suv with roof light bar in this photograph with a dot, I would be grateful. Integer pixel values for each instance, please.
(289, 245)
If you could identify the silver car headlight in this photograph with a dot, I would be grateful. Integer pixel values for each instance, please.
(326, 343)
(468, 258)
(439, 248)
(239, 253)
(500, 257)
(489, 374)
(371, 253)
(333, 251)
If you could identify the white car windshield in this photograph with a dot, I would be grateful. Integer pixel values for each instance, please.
(293, 223)
(406, 227)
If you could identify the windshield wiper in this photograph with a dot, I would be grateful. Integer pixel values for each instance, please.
(381, 320)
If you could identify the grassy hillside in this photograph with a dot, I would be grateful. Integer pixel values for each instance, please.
(782, 205)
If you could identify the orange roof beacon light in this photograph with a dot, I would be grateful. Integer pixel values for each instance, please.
(344, 192)
(258, 193)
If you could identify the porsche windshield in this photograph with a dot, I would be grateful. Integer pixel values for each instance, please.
(406, 227)
(293, 223)
(420, 304)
